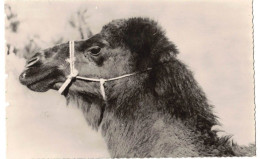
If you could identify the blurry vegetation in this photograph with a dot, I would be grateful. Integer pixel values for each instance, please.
(26, 45)
(11, 25)
(12, 22)
(79, 22)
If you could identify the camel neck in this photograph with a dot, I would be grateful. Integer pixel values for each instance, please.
(145, 133)
(141, 127)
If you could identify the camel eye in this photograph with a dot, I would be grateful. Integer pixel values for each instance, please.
(95, 50)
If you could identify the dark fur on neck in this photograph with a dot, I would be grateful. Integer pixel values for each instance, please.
(91, 106)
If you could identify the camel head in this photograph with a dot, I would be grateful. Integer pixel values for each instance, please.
(122, 47)
(95, 58)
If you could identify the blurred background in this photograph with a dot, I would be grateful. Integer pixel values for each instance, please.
(214, 39)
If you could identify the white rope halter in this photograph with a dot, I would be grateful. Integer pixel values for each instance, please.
(74, 74)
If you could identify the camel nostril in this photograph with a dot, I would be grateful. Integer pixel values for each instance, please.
(32, 61)
(23, 75)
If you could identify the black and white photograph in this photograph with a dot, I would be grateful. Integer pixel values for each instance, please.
(129, 79)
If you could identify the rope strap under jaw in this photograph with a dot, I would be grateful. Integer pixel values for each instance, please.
(74, 74)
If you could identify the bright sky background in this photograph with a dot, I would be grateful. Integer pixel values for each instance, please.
(214, 39)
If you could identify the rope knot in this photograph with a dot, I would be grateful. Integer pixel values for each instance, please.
(102, 89)
(73, 74)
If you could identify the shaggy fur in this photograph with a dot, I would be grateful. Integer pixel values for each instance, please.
(158, 113)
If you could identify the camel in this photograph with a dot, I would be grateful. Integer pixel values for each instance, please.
(129, 83)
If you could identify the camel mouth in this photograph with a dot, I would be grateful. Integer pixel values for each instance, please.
(38, 79)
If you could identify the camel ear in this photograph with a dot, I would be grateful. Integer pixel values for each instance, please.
(143, 37)
(146, 38)
(140, 35)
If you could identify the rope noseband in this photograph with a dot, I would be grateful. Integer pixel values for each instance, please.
(74, 74)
